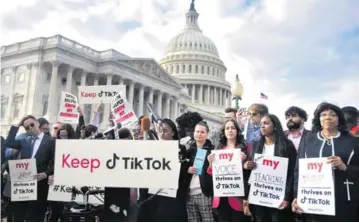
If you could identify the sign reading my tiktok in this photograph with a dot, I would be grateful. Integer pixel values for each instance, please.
(227, 173)
(316, 187)
(120, 163)
(268, 181)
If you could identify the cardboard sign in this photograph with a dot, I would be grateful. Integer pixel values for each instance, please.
(122, 110)
(100, 93)
(268, 181)
(316, 187)
(23, 185)
(227, 172)
(68, 109)
(117, 163)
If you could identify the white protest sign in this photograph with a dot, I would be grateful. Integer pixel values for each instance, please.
(268, 181)
(117, 163)
(163, 192)
(63, 193)
(68, 109)
(100, 93)
(227, 173)
(316, 187)
(23, 185)
(122, 110)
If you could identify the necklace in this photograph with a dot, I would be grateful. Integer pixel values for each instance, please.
(328, 138)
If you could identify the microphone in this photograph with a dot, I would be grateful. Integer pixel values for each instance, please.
(145, 127)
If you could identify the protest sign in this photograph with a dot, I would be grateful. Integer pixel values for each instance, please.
(99, 93)
(316, 187)
(68, 109)
(120, 163)
(122, 110)
(268, 181)
(63, 193)
(227, 173)
(199, 160)
(23, 185)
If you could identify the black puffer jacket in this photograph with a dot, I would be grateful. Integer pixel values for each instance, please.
(205, 179)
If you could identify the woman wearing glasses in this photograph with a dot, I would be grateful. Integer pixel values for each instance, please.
(331, 139)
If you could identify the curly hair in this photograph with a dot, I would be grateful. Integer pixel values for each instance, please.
(324, 106)
(240, 142)
(280, 138)
(189, 119)
(187, 122)
(70, 131)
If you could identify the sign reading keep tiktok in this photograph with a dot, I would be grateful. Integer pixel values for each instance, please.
(133, 160)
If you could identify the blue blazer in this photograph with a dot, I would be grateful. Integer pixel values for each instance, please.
(45, 155)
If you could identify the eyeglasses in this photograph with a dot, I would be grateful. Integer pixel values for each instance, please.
(28, 126)
(253, 114)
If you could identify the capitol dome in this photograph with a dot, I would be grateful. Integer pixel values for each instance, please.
(193, 58)
(192, 40)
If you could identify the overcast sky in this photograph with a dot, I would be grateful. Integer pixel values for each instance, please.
(298, 52)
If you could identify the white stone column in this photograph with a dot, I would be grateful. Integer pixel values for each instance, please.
(53, 100)
(107, 108)
(159, 104)
(121, 81)
(215, 96)
(193, 93)
(229, 99)
(131, 93)
(221, 97)
(208, 98)
(69, 78)
(27, 91)
(141, 100)
(201, 94)
(175, 108)
(150, 96)
(83, 83)
(167, 107)
(11, 96)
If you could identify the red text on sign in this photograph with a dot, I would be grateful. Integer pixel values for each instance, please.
(271, 163)
(69, 115)
(84, 163)
(226, 156)
(68, 105)
(22, 166)
(88, 95)
(119, 108)
(315, 166)
(123, 118)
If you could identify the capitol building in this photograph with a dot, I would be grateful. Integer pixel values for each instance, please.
(189, 77)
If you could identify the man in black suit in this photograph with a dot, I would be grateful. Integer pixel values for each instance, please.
(41, 147)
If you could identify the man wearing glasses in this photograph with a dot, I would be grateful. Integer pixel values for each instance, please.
(251, 123)
(41, 147)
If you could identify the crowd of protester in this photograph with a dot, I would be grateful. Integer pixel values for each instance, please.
(334, 134)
